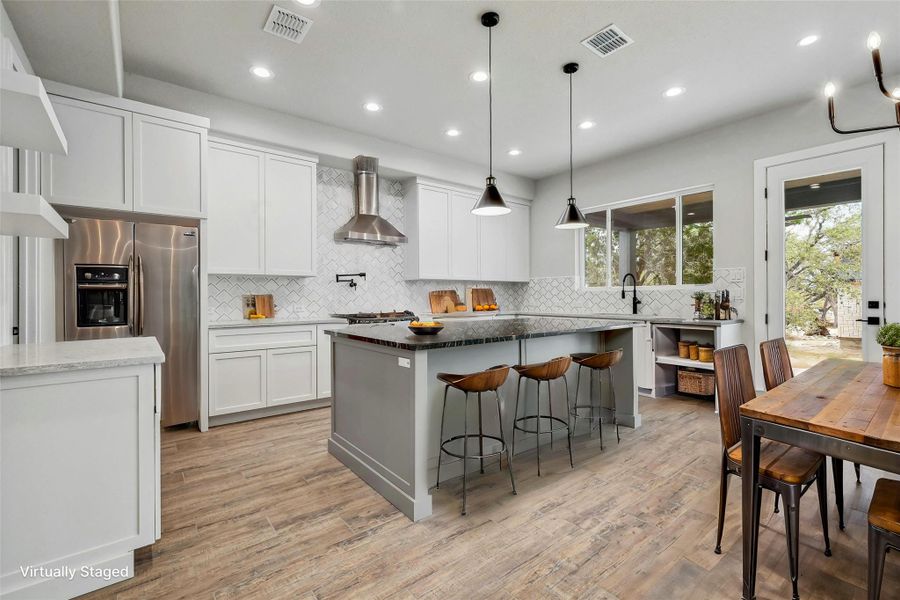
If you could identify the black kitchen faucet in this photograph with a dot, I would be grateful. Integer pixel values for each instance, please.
(634, 298)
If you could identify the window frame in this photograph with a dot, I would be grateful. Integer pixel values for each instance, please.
(679, 250)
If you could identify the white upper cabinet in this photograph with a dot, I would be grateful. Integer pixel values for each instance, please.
(236, 214)
(290, 216)
(446, 241)
(518, 247)
(428, 233)
(463, 237)
(97, 172)
(126, 156)
(169, 163)
(262, 211)
(493, 238)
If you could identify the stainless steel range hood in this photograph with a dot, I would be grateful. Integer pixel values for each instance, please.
(366, 226)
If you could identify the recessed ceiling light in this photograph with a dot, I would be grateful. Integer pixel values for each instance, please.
(808, 40)
(261, 72)
(691, 214)
(309, 3)
(586, 124)
(814, 186)
(372, 106)
(673, 91)
(453, 132)
(478, 76)
(514, 152)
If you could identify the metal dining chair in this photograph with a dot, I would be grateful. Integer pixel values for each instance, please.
(783, 469)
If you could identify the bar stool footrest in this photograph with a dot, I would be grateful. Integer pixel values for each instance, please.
(564, 427)
(473, 436)
(573, 412)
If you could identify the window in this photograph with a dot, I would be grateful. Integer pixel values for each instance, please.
(666, 240)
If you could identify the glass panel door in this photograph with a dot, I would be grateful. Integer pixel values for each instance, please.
(826, 255)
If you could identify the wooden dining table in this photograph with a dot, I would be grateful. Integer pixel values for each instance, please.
(839, 408)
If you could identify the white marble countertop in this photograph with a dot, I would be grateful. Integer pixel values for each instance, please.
(273, 322)
(31, 359)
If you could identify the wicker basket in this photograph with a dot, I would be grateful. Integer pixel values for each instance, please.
(700, 383)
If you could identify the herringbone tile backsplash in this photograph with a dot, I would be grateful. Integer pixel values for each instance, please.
(385, 289)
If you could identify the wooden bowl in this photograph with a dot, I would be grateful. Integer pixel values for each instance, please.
(426, 329)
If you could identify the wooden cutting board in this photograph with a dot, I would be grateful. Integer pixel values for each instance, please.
(443, 301)
(481, 296)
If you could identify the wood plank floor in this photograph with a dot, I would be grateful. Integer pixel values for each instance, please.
(261, 510)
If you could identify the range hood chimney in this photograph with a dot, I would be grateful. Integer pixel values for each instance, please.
(366, 226)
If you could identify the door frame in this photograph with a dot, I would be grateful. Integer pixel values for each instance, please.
(890, 143)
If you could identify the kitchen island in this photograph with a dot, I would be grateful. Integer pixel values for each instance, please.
(386, 405)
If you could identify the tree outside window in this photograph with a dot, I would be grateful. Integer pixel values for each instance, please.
(642, 238)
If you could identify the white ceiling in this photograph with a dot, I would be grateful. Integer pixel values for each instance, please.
(734, 58)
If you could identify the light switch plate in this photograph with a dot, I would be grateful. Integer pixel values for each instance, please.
(404, 362)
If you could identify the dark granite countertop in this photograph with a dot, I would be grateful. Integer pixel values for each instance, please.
(655, 319)
(469, 333)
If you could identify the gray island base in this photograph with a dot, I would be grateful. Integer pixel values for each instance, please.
(386, 406)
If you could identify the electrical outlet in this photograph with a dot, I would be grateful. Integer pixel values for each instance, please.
(404, 362)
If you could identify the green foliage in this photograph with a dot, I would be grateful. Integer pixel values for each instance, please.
(654, 256)
(823, 260)
(697, 251)
(595, 256)
(889, 335)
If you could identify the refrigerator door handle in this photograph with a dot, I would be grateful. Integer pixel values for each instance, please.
(140, 264)
(132, 295)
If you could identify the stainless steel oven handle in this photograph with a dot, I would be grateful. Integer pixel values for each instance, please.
(140, 264)
(131, 295)
(102, 286)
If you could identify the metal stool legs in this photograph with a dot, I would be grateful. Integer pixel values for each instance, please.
(599, 406)
(465, 456)
(437, 484)
(509, 466)
(538, 417)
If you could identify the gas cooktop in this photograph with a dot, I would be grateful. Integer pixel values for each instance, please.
(376, 317)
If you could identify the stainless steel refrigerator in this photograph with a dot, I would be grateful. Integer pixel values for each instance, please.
(125, 279)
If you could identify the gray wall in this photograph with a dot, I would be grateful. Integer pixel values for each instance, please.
(722, 156)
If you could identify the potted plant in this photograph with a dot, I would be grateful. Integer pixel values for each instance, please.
(698, 297)
(889, 338)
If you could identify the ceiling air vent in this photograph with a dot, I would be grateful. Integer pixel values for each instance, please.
(287, 25)
(607, 40)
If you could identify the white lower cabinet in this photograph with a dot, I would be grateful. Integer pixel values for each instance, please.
(79, 470)
(237, 381)
(268, 367)
(290, 375)
(323, 358)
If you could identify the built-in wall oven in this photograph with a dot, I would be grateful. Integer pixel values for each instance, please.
(102, 306)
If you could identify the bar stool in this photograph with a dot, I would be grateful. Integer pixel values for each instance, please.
(474, 383)
(549, 371)
(604, 361)
(884, 530)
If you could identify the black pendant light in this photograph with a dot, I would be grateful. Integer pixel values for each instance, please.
(572, 217)
(491, 202)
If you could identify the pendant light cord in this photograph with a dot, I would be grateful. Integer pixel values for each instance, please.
(490, 104)
(571, 167)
